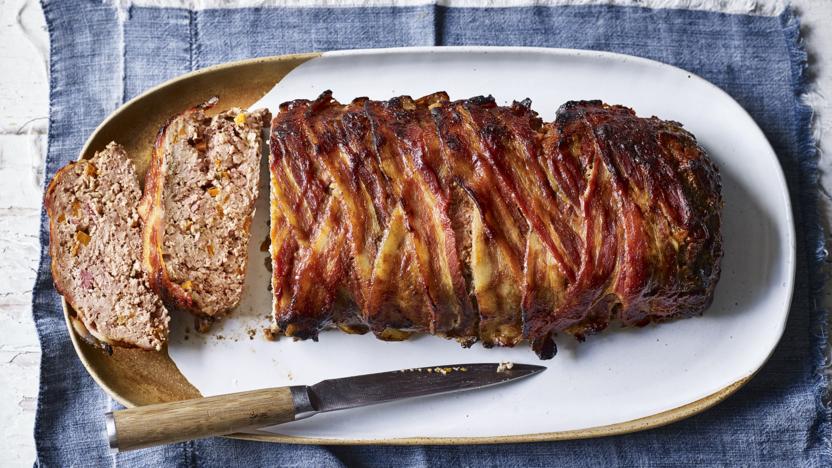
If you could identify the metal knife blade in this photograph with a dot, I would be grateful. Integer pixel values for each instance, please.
(370, 389)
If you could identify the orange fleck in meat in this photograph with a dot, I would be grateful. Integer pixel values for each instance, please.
(82, 237)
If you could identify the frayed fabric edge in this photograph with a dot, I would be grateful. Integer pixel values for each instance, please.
(41, 278)
(753, 7)
(809, 154)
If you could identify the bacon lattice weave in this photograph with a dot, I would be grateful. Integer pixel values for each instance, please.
(480, 222)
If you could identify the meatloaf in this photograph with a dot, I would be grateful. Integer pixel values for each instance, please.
(95, 244)
(480, 222)
(198, 204)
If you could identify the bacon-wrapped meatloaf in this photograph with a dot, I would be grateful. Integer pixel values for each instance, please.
(480, 222)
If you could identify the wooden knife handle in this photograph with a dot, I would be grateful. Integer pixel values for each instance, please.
(166, 423)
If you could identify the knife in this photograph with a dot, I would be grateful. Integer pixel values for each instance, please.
(166, 423)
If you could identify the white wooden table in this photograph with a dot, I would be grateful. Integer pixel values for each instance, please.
(24, 49)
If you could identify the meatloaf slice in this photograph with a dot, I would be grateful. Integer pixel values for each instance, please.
(198, 205)
(95, 243)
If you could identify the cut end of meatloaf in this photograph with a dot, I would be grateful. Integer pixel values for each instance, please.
(95, 243)
(198, 205)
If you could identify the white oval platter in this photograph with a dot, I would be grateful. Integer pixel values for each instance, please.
(615, 377)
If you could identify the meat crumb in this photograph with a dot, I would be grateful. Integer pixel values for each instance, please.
(203, 324)
(505, 366)
(269, 334)
(251, 332)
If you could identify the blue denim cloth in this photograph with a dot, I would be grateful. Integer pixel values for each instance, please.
(778, 419)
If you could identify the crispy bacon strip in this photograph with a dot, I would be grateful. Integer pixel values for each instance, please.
(475, 221)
